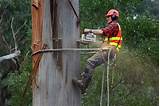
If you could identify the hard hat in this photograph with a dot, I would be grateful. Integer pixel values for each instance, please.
(112, 12)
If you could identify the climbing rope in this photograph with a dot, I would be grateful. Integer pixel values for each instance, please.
(102, 88)
(68, 49)
(108, 77)
(106, 69)
(86, 49)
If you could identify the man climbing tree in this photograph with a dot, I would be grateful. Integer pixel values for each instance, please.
(112, 40)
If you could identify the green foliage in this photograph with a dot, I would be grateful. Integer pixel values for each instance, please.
(142, 34)
(16, 84)
(92, 11)
(12, 79)
(135, 77)
(21, 12)
(133, 82)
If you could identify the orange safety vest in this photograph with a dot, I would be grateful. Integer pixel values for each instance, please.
(115, 41)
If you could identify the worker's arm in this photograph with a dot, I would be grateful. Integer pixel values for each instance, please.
(108, 31)
(94, 31)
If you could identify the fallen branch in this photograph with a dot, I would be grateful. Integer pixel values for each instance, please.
(10, 56)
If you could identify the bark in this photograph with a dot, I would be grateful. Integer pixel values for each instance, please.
(56, 71)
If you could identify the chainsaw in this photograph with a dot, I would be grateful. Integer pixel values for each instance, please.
(88, 37)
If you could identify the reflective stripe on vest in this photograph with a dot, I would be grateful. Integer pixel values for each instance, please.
(115, 44)
(115, 38)
(115, 41)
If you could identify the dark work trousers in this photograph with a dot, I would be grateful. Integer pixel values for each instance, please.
(99, 58)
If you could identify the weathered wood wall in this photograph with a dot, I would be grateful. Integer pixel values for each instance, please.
(55, 71)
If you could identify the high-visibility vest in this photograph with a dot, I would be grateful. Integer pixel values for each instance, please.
(116, 40)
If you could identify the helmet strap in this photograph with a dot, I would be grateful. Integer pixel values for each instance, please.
(113, 17)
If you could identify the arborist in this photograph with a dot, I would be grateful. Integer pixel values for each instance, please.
(112, 39)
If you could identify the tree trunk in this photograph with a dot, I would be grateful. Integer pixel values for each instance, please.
(53, 85)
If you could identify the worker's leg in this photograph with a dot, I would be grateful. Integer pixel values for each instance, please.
(97, 59)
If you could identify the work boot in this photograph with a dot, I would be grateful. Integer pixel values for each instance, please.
(83, 82)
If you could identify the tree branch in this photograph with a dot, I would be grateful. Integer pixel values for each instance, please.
(15, 33)
(6, 43)
(17, 52)
(10, 56)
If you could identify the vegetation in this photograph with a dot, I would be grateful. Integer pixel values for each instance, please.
(134, 78)
(14, 73)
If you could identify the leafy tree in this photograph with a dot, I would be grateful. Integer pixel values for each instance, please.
(13, 73)
(132, 77)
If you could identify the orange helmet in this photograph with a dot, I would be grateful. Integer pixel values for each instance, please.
(112, 12)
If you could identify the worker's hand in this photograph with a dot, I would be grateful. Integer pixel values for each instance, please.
(87, 30)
